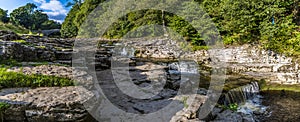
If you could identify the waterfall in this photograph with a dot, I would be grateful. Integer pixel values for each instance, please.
(183, 67)
(241, 94)
(124, 51)
(2, 50)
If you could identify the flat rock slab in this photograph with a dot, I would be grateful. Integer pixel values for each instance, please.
(46, 104)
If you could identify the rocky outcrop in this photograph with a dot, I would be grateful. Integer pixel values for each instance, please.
(52, 70)
(21, 52)
(8, 35)
(246, 59)
(46, 104)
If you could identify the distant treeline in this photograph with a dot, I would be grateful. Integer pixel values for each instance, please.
(29, 17)
(274, 24)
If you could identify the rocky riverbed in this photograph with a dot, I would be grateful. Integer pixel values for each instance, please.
(152, 64)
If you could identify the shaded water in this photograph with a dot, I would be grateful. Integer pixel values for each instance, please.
(284, 106)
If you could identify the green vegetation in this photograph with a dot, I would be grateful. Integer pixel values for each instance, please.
(3, 107)
(3, 16)
(77, 16)
(274, 24)
(14, 28)
(232, 106)
(280, 87)
(28, 17)
(184, 101)
(42, 47)
(9, 63)
(15, 79)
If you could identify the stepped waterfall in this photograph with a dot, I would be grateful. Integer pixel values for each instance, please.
(242, 94)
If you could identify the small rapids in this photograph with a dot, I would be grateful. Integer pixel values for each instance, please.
(248, 98)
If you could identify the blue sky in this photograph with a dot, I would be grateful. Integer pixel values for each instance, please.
(55, 9)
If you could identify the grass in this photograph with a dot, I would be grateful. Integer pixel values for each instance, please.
(3, 107)
(184, 101)
(14, 28)
(280, 87)
(17, 79)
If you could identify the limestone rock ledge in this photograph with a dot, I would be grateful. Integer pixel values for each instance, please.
(46, 104)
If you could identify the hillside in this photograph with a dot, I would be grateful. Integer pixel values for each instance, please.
(14, 28)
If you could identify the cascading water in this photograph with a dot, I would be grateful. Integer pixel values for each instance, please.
(2, 50)
(248, 98)
(183, 67)
(241, 94)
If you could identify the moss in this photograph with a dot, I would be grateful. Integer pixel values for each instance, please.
(9, 63)
(23, 42)
(184, 101)
(4, 106)
(280, 87)
(194, 48)
(20, 41)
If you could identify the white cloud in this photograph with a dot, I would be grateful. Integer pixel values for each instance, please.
(53, 5)
(54, 9)
(40, 1)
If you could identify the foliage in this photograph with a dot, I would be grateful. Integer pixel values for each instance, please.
(30, 18)
(233, 107)
(184, 101)
(50, 24)
(280, 87)
(3, 16)
(16, 79)
(14, 28)
(77, 16)
(24, 15)
(3, 106)
(274, 24)
(69, 29)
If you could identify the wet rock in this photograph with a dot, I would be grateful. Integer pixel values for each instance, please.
(229, 116)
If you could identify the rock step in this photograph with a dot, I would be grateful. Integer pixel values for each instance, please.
(44, 104)
(67, 62)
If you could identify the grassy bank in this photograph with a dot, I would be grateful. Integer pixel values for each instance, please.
(280, 87)
(16, 79)
(14, 28)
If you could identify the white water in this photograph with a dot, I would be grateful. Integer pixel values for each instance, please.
(248, 98)
(183, 67)
(252, 105)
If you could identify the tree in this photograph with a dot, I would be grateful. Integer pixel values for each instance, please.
(39, 18)
(3, 16)
(50, 24)
(69, 29)
(24, 15)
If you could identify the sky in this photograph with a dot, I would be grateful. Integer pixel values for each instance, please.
(55, 9)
